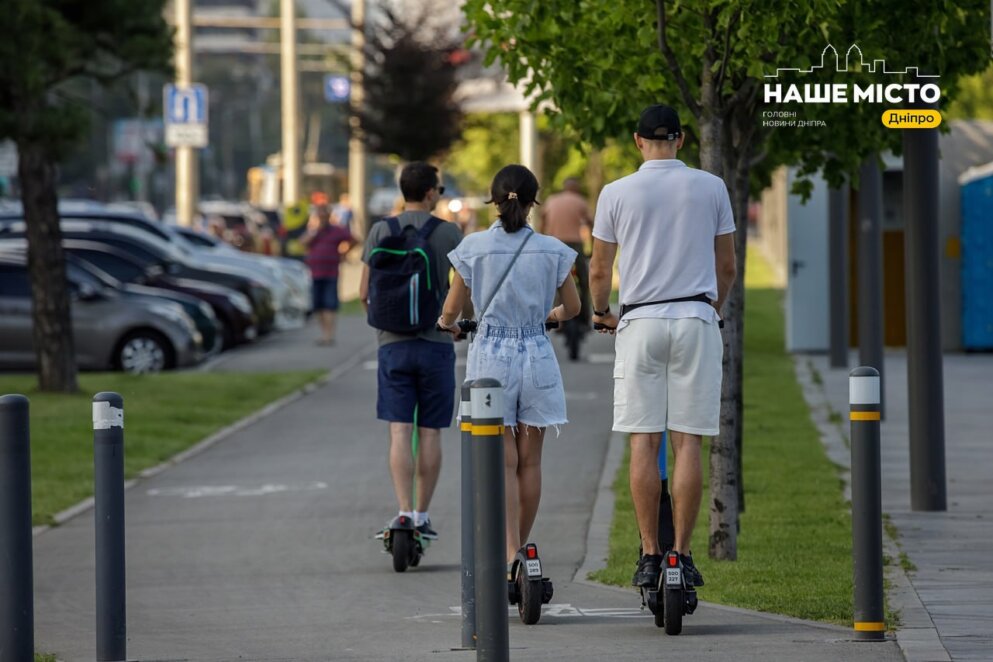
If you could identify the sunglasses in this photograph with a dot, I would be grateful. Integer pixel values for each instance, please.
(441, 190)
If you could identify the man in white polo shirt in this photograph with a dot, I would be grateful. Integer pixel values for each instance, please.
(675, 231)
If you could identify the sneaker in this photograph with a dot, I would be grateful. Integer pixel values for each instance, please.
(426, 531)
(649, 569)
(692, 574)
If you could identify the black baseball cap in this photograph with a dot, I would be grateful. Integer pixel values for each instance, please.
(659, 122)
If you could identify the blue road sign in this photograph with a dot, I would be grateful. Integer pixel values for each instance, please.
(185, 105)
(337, 88)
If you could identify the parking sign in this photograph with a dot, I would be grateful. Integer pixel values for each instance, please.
(185, 112)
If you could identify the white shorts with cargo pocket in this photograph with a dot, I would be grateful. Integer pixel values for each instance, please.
(667, 375)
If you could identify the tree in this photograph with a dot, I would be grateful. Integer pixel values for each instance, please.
(600, 63)
(412, 54)
(46, 44)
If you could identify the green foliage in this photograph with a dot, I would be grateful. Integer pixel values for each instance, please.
(600, 63)
(166, 414)
(46, 43)
(489, 141)
(975, 98)
(794, 549)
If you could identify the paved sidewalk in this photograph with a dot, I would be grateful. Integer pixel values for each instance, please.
(261, 548)
(952, 551)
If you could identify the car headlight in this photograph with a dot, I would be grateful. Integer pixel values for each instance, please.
(241, 302)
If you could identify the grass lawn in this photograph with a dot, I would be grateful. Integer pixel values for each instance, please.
(794, 549)
(163, 414)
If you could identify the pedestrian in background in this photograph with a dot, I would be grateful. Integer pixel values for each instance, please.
(513, 275)
(675, 231)
(325, 243)
(566, 216)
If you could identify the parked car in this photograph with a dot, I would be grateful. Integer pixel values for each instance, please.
(289, 280)
(232, 309)
(109, 331)
(172, 260)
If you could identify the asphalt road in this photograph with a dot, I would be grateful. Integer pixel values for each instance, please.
(261, 548)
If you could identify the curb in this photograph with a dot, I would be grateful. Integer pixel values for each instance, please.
(222, 434)
(598, 533)
(919, 640)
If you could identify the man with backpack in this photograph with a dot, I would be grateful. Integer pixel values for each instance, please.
(404, 282)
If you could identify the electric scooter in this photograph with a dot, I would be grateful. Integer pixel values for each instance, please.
(403, 541)
(527, 588)
(676, 595)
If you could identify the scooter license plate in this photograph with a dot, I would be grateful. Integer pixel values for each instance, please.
(533, 567)
(673, 577)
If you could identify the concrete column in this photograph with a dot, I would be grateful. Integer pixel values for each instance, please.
(290, 98)
(187, 174)
(356, 148)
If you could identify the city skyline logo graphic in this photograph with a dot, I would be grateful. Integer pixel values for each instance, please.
(917, 87)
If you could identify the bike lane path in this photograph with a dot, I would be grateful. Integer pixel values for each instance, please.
(261, 548)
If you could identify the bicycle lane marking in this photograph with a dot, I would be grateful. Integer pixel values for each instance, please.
(555, 610)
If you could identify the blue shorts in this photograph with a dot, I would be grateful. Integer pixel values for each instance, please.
(325, 294)
(417, 373)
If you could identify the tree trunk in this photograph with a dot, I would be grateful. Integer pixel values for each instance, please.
(715, 157)
(52, 323)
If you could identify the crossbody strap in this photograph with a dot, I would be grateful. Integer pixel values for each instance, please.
(505, 274)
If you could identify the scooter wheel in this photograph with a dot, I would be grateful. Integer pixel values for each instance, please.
(672, 617)
(403, 549)
(529, 603)
(659, 612)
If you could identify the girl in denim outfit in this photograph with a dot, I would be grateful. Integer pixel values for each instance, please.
(511, 344)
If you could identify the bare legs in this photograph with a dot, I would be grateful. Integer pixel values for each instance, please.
(402, 464)
(328, 320)
(522, 482)
(686, 484)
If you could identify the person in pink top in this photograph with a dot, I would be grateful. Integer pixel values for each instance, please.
(566, 216)
(325, 242)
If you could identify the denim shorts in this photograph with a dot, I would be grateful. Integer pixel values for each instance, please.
(325, 294)
(523, 361)
(419, 374)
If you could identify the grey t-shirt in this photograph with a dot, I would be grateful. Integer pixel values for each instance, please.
(442, 241)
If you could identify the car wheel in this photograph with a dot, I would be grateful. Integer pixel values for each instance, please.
(144, 352)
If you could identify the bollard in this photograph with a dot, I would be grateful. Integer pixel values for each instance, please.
(16, 573)
(468, 531)
(867, 509)
(108, 476)
(489, 513)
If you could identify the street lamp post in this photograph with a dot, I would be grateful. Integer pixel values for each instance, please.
(290, 97)
(187, 176)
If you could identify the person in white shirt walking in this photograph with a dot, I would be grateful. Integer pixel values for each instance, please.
(675, 230)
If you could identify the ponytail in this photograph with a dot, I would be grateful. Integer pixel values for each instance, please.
(514, 190)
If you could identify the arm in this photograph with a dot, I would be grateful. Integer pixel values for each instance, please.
(364, 288)
(601, 277)
(727, 269)
(454, 304)
(569, 296)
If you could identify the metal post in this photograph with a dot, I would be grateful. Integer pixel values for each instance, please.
(356, 148)
(870, 270)
(867, 508)
(290, 97)
(16, 573)
(529, 141)
(838, 278)
(187, 175)
(468, 530)
(490, 515)
(108, 475)
(926, 399)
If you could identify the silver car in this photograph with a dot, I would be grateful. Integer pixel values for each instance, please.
(110, 331)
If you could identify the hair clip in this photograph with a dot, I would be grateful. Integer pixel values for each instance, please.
(512, 195)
